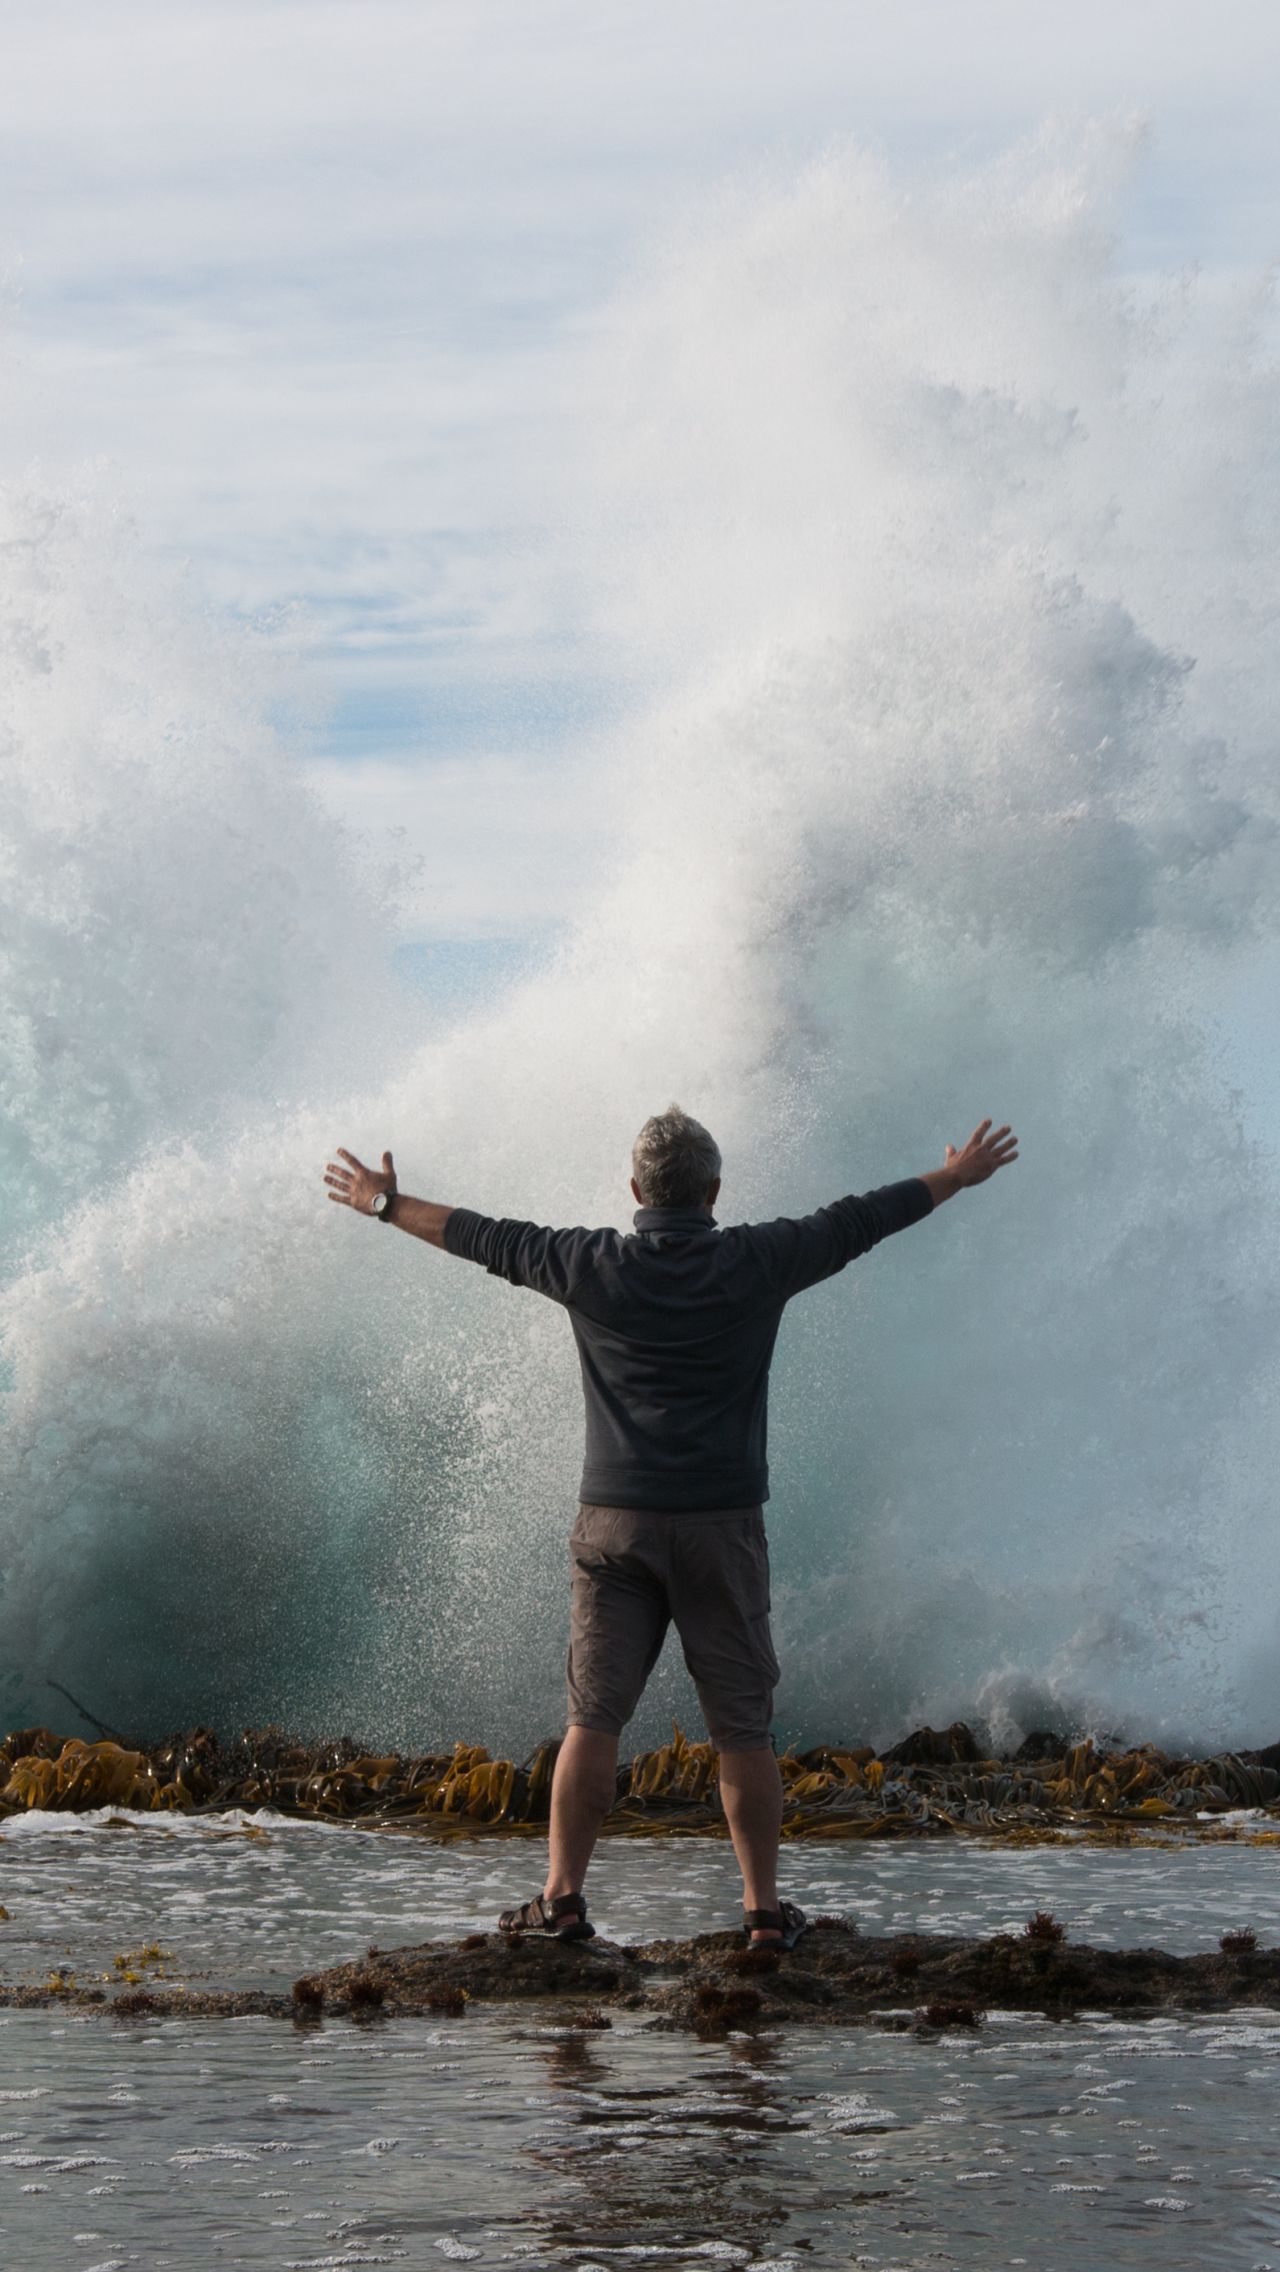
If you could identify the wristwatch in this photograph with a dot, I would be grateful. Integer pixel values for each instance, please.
(380, 1205)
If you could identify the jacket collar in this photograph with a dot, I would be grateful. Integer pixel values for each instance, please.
(678, 1222)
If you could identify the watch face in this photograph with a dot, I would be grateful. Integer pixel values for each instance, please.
(379, 1202)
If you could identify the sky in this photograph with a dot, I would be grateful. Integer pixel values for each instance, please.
(314, 285)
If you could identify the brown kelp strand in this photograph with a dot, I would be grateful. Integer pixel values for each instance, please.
(836, 1976)
(933, 1783)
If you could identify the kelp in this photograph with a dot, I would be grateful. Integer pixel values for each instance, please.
(934, 1783)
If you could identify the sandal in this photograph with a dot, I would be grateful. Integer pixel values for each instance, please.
(786, 1921)
(542, 1916)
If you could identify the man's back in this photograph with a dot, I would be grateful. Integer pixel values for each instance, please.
(675, 1325)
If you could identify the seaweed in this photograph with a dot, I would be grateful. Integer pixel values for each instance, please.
(1044, 1928)
(944, 2015)
(931, 1783)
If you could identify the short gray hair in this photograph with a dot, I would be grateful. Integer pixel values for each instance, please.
(674, 1160)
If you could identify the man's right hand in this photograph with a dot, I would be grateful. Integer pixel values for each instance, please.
(355, 1185)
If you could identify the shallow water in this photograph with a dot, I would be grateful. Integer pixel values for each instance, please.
(504, 2139)
(259, 1898)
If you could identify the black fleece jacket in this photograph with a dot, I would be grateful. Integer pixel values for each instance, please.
(675, 1325)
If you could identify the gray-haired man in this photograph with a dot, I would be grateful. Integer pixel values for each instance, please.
(675, 1324)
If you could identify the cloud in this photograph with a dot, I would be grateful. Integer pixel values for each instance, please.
(491, 845)
(325, 284)
(318, 276)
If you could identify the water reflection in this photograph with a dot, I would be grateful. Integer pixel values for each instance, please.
(668, 2165)
(1064, 2147)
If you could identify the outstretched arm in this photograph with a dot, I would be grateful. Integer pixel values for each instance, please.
(982, 1155)
(358, 1186)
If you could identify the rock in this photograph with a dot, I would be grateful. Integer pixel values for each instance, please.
(933, 1747)
(832, 1977)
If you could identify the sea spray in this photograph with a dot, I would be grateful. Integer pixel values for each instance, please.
(174, 907)
(944, 568)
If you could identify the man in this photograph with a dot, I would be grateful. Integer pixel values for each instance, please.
(675, 1326)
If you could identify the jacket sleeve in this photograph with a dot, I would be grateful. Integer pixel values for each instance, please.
(799, 1253)
(525, 1254)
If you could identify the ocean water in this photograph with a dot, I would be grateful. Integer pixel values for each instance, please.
(262, 1898)
(937, 566)
(507, 2138)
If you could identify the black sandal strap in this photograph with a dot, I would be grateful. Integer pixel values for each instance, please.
(787, 1921)
(543, 1916)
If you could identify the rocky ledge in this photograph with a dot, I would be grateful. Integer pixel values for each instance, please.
(712, 1985)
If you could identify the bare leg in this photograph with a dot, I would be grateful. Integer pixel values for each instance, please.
(751, 1794)
(582, 1792)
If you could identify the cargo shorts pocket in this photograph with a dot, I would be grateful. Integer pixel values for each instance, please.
(618, 1620)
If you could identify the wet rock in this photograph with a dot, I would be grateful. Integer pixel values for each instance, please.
(366, 1991)
(833, 1976)
(1042, 1743)
(934, 1747)
(487, 1968)
(761, 1959)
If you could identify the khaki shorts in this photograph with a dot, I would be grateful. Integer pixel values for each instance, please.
(636, 1572)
